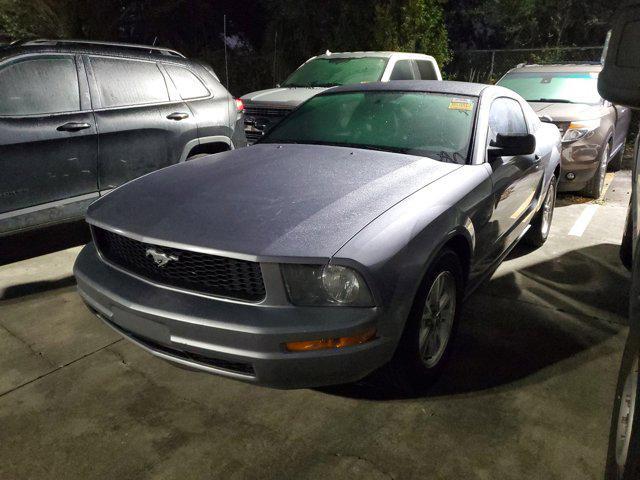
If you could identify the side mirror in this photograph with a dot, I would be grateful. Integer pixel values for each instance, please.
(620, 78)
(512, 145)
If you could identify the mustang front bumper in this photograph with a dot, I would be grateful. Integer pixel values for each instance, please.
(234, 339)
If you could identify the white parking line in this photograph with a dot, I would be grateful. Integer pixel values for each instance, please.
(583, 220)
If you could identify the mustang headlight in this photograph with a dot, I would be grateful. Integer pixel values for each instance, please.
(325, 285)
(578, 130)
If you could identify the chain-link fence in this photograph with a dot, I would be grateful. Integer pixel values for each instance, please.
(487, 66)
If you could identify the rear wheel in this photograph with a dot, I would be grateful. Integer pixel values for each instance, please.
(596, 184)
(541, 223)
(430, 329)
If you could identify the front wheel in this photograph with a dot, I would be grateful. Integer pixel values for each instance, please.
(541, 223)
(615, 163)
(426, 341)
(596, 184)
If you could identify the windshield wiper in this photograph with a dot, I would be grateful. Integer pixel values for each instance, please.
(446, 157)
(551, 100)
(329, 84)
(311, 85)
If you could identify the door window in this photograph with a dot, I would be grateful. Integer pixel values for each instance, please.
(506, 117)
(427, 70)
(402, 71)
(39, 86)
(188, 85)
(128, 82)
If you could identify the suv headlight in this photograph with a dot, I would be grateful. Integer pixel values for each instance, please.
(580, 129)
(325, 285)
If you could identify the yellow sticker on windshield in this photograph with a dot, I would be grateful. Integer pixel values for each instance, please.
(460, 104)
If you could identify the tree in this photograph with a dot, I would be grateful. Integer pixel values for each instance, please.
(411, 26)
(48, 18)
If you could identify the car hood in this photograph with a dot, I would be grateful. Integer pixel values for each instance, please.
(267, 201)
(289, 97)
(566, 112)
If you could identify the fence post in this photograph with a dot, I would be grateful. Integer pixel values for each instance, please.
(493, 62)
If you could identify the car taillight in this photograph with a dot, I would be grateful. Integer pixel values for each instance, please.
(239, 105)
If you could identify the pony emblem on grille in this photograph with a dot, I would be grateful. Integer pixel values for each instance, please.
(160, 258)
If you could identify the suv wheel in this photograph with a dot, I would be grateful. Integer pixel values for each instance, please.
(596, 184)
(615, 163)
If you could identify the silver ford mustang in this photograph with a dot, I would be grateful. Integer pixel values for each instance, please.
(344, 241)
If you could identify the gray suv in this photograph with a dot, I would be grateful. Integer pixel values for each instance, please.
(265, 108)
(594, 130)
(78, 119)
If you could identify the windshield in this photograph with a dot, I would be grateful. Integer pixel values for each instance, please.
(416, 123)
(554, 87)
(329, 72)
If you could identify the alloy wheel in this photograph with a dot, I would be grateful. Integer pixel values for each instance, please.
(437, 319)
(602, 172)
(547, 210)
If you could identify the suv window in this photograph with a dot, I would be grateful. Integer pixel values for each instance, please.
(506, 117)
(128, 82)
(188, 85)
(402, 71)
(39, 86)
(427, 70)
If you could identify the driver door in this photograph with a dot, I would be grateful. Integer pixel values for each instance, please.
(515, 178)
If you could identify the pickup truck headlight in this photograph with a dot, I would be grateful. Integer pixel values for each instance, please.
(326, 285)
(578, 130)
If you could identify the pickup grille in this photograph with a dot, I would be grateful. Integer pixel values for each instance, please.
(187, 270)
(258, 120)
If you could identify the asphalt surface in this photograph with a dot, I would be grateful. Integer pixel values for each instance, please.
(528, 392)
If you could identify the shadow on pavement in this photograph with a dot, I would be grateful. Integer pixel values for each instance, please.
(505, 339)
(589, 281)
(17, 291)
(34, 243)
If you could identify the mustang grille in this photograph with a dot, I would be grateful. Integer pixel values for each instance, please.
(195, 271)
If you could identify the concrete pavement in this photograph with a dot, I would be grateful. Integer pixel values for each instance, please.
(528, 393)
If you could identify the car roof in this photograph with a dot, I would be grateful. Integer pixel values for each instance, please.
(85, 47)
(586, 67)
(385, 54)
(432, 86)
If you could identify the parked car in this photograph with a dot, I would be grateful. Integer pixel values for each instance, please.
(78, 119)
(265, 108)
(620, 83)
(594, 130)
(347, 238)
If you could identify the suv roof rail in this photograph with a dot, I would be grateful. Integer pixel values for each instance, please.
(150, 48)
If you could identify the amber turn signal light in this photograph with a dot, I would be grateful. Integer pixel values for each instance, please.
(326, 343)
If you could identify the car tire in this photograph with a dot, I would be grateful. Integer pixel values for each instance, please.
(541, 223)
(425, 345)
(615, 163)
(623, 458)
(596, 184)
